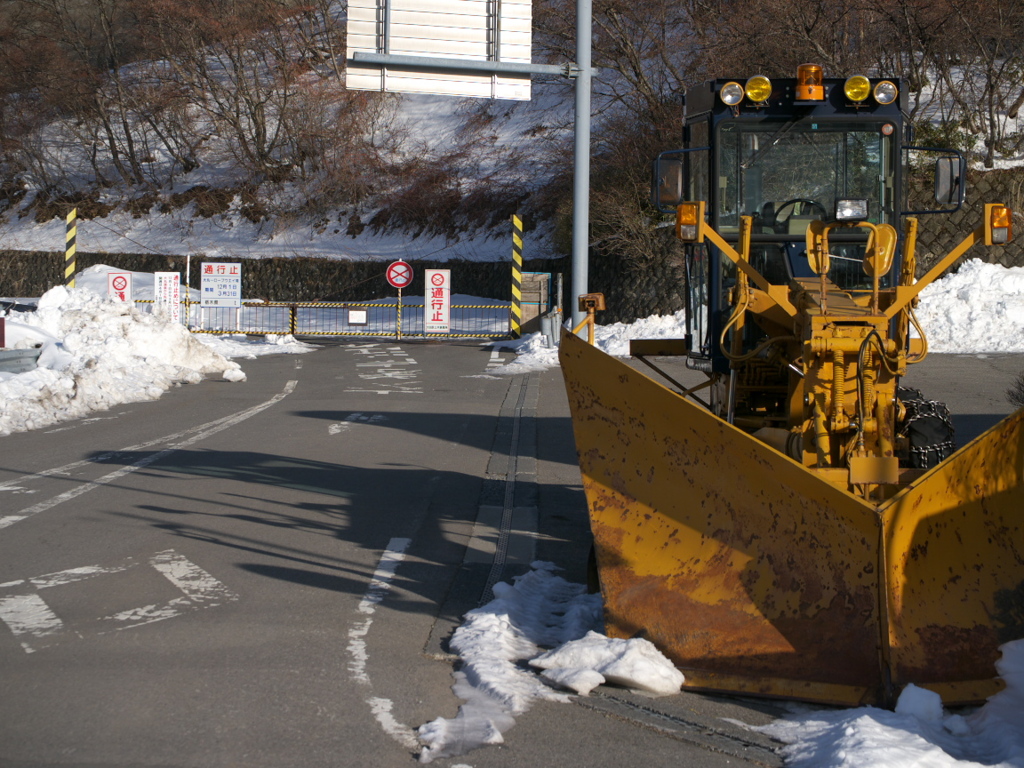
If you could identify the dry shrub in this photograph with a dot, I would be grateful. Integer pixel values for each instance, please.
(1015, 394)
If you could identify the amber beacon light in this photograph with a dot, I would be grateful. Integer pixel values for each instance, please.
(810, 84)
(998, 224)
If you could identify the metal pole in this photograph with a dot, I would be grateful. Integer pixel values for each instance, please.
(516, 330)
(70, 235)
(581, 161)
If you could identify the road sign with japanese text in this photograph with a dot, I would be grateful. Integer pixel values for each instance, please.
(167, 294)
(437, 301)
(399, 274)
(221, 285)
(119, 286)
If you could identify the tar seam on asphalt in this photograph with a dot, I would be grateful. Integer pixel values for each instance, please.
(508, 506)
(698, 734)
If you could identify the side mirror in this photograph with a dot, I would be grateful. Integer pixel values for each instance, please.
(667, 182)
(668, 178)
(948, 181)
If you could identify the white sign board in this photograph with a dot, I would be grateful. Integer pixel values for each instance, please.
(167, 294)
(473, 30)
(437, 312)
(119, 286)
(221, 285)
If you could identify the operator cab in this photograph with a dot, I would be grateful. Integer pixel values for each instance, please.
(785, 153)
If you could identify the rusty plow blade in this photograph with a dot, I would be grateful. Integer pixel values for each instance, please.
(756, 576)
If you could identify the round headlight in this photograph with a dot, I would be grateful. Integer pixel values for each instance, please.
(759, 88)
(731, 93)
(857, 88)
(886, 92)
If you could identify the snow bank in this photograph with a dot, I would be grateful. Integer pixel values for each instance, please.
(95, 354)
(539, 609)
(918, 733)
(977, 309)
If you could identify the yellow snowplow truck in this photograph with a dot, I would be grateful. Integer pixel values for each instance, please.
(800, 525)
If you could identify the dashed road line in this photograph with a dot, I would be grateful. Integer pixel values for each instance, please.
(380, 585)
(204, 431)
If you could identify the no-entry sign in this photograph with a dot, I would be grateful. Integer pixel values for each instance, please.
(119, 286)
(399, 274)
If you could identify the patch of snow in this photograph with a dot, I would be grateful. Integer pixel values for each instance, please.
(96, 353)
(541, 609)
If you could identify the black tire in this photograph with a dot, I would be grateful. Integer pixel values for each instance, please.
(593, 579)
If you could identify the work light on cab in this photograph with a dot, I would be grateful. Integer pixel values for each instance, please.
(857, 88)
(851, 210)
(810, 84)
(731, 93)
(759, 88)
(885, 92)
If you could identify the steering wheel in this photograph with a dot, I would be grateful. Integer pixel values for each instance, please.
(780, 226)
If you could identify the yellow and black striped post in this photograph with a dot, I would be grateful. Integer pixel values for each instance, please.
(70, 232)
(517, 277)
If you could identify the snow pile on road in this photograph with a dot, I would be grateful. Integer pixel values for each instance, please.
(582, 665)
(977, 309)
(96, 353)
(918, 733)
(238, 345)
(534, 354)
(541, 609)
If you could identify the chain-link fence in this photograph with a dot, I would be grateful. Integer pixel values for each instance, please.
(384, 318)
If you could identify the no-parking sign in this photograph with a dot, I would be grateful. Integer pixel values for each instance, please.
(399, 273)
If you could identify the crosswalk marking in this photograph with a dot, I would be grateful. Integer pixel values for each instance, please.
(35, 624)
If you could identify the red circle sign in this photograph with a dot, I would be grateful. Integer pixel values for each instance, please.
(437, 279)
(399, 274)
(120, 283)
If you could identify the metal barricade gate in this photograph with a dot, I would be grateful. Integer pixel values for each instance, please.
(347, 319)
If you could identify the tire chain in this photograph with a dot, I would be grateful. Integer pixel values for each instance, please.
(935, 422)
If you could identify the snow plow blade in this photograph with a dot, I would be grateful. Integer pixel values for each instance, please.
(756, 576)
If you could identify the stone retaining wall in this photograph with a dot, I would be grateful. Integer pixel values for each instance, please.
(26, 274)
(632, 290)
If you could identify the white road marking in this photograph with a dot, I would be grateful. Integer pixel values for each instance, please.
(78, 423)
(388, 370)
(403, 734)
(199, 586)
(28, 614)
(355, 418)
(35, 624)
(380, 585)
(197, 434)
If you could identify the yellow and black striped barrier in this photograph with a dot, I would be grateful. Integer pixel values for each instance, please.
(517, 277)
(70, 233)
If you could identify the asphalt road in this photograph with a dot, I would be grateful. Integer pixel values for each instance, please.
(265, 573)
